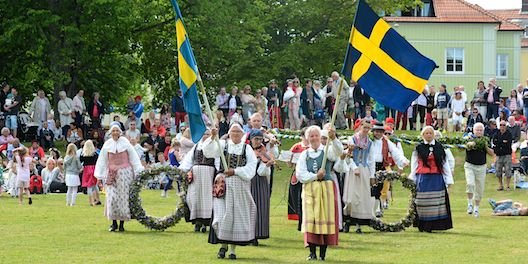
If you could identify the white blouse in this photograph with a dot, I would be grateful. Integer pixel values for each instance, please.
(446, 170)
(247, 172)
(188, 160)
(301, 168)
(115, 146)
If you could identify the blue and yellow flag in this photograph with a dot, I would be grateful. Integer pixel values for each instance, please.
(188, 75)
(388, 67)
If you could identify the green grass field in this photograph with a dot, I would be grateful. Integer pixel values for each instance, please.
(50, 232)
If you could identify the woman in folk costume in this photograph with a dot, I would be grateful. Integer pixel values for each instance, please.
(202, 171)
(319, 197)
(385, 154)
(430, 170)
(260, 185)
(295, 188)
(117, 165)
(359, 179)
(234, 211)
(335, 150)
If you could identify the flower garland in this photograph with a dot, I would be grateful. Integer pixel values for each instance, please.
(137, 211)
(477, 143)
(406, 221)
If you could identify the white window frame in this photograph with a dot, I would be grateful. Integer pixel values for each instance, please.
(498, 69)
(454, 71)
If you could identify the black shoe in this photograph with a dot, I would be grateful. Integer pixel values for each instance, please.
(30, 201)
(346, 228)
(113, 228)
(311, 257)
(358, 231)
(322, 258)
(221, 253)
(121, 229)
(196, 228)
(255, 242)
(98, 203)
(204, 229)
(232, 256)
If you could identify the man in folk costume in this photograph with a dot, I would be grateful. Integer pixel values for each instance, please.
(319, 197)
(117, 166)
(385, 152)
(432, 174)
(359, 179)
(260, 184)
(386, 191)
(234, 211)
(335, 150)
(201, 175)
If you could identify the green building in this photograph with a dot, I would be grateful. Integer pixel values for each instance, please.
(467, 42)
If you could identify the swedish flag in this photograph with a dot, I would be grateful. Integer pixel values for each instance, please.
(188, 75)
(388, 67)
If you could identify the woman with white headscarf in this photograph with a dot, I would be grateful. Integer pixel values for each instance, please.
(234, 211)
(117, 165)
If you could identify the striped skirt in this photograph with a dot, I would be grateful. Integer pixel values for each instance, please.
(200, 194)
(432, 203)
(320, 213)
(261, 196)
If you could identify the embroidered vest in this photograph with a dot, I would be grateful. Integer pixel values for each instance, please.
(313, 165)
(361, 155)
(432, 169)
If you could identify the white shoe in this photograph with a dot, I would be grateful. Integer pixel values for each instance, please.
(470, 209)
(476, 214)
(163, 194)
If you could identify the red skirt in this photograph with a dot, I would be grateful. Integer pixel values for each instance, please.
(88, 178)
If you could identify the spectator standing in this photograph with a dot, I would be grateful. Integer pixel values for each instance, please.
(502, 142)
(493, 98)
(165, 116)
(89, 159)
(513, 103)
(441, 103)
(23, 161)
(479, 99)
(4, 92)
(343, 98)
(222, 101)
(458, 107)
(430, 105)
(419, 108)
(65, 108)
(178, 109)
(138, 108)
(11, 108)
(79, 108)
(40, 108)
(96, 110)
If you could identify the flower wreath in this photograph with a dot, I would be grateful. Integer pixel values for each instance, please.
(406, 221)
(136, 210)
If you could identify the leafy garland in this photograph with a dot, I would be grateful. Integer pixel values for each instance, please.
(406, 221)
(137, 211)
(477, 143)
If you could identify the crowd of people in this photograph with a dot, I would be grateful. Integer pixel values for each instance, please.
(333, 186)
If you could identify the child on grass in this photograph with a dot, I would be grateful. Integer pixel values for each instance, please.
(508, 208)
(72, 168)
(23, 160)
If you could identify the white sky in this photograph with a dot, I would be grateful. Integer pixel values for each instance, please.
(497, 4)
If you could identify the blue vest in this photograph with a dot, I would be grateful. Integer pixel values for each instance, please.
(313, 165)
(361, 155)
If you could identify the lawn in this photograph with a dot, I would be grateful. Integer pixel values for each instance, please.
(50, 232)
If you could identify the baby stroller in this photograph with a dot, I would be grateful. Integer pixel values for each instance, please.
(27, 129)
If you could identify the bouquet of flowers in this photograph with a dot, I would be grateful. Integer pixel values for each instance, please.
(477, 143)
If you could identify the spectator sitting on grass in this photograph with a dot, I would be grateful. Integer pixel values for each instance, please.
(508, 208)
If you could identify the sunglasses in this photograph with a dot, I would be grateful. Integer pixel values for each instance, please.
(502, 124)
(388, 134)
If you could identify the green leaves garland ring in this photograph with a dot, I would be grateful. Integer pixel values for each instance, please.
(136, 210)
(406, 221)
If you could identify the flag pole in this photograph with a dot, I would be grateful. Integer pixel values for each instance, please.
(210, 114)
(332, 121)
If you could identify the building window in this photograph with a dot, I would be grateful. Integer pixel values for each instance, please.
(454, 60)
(502, 66)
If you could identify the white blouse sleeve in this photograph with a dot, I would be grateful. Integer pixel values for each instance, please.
(187, 162)
(450, 159)
(134, 159)
(335, 149)
(372, 164)
(414, 166)
(397, 155)
(263, 170)
(446, 172)
(247, 172)
(301, 170)
(101, 165)
(210, 148)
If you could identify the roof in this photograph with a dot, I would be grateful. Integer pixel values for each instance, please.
(509, 13)
(460, 11)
